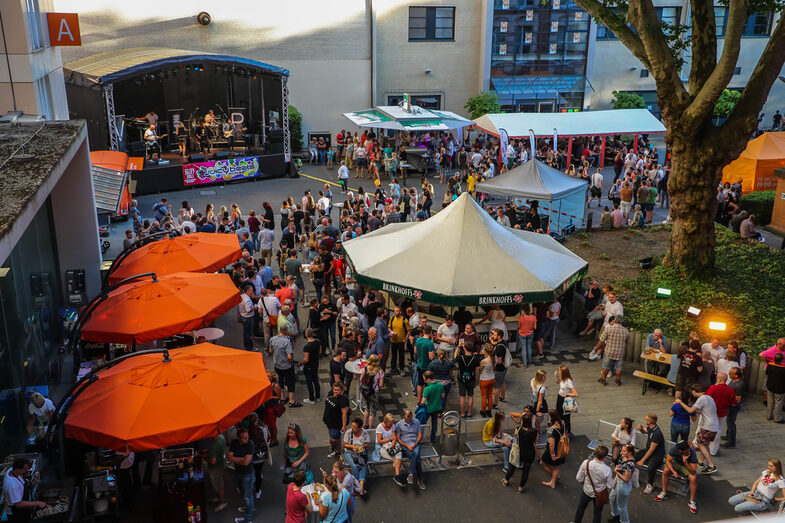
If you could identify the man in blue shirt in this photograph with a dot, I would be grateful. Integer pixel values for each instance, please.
(375, 344)
(245, 242)
(409, 432)
(205, 226)
(380, 323)
(161, 209)
(265, 272)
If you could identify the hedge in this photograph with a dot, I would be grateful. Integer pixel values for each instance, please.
(761, 204)
(745, 290)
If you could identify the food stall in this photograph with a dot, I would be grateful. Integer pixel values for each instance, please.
(463, 257)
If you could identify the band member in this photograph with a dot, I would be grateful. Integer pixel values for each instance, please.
(209, 118)
(202, 136)
(182, 137)
(151, 140)
(152, 118)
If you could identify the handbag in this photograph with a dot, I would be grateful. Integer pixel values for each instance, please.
(543, 405)
(390, 452)
(279, 409)
(515, 453)
(563, 447)
(358, 459)
(601, 497)
(570, 404)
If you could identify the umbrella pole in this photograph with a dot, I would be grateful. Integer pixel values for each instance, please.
(131, 248)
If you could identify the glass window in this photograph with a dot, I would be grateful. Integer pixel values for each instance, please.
(34, 24)
(428, 101)
(431, 23)
(720, 20)
(758, 25)
(671, 15)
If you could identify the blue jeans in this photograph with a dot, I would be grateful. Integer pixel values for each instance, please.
(680, 430)
(415, 466)
(246, 483)
(357, 472)
(415, 370)
(550, 331)
(505, 450)
(328, 330)
(730, 423)
(665, 199)
(248, 333)
(741, 505)
(526, 348)
(618, 499)
(322, 155)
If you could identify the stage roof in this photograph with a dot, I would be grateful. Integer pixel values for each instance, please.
(588, 123)
(112, 66)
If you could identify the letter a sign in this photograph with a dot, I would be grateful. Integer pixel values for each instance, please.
(63, 29)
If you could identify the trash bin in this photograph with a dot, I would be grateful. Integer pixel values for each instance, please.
(450, 433)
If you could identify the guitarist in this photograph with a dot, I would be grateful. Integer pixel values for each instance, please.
(151, 140)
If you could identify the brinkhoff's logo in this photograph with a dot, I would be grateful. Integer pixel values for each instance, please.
(403, 291)
(500, 300)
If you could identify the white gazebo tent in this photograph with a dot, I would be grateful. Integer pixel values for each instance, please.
(565, 194)
(398, 118)
(462, 256)
(587, 123)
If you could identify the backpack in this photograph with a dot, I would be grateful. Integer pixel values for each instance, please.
(563, 447)
(366, 384)
(507, 358)
(466, 377)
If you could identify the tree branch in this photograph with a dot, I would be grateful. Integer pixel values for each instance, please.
(742, 119)
(704, 43)
(703, 103)
(618, 26)
(670, 91)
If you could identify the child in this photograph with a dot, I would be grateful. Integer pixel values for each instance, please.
(330, 157)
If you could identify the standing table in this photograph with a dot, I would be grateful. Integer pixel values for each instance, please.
(356, 368)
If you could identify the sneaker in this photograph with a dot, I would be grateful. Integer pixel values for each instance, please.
(660, 496)
(241, 509)
(649, 489)
(398, 481)
(422, 485)
(505, 469)
(693, 507)
(331, 455)
(258, 494)
(709, 470)
(410, 479)
(602, 381)
(220, 506)
(241, 520)
(309, 402)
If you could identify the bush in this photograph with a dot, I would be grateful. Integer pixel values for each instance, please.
(745, 291)
(295, 129)
(761, 204)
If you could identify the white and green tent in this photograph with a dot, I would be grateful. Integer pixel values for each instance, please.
(399, 119)
(462, 256)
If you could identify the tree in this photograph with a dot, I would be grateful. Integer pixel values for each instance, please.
(484, 103)
(726, 103)
(295, 129)
(627, 101)
(699, 148)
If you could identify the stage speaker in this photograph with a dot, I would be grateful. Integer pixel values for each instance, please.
(220, 155)
(196, 158)
(276, 135)
(138, 148)
(276, 147)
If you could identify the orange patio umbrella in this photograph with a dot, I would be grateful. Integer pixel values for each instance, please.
(199, 252)
(153, 308)
(157, 399)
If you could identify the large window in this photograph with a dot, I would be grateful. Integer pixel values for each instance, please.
(34, 24)
(670, 15)
(426, 101)
(758, 25)
(431, 23)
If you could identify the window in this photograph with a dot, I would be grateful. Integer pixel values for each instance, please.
(737, 71)
(33, 12)
(758, 25)
(644, 73)
(431, 23)
(720, 20)
(43, 99)
(426, 101)
(670, 15)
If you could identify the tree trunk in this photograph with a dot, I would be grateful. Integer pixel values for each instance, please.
(692, 186)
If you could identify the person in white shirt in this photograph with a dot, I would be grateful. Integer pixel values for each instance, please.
(595, 476)
(708, 425)
(715, 350)
(268, 305)
(247, 313)
(16, 508)
(612, 308)
(266, 244)
(447, 335)
(595, 191)
(510, 153)
(502, 218)
(524, 154)
(763, 491)
(343, 176)
(188, 227)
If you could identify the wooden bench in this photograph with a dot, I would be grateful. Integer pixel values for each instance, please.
(652, 377)
(427, 450)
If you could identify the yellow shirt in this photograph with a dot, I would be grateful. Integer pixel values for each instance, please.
(398, 328)
(470, 181)
(487, 431)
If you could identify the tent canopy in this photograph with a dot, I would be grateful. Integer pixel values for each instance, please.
(462, 256)
(112, 66)
(536, 181)
(757, 163)
(616, 121)
(398, 119)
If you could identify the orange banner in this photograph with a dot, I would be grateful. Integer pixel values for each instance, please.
(64, 29)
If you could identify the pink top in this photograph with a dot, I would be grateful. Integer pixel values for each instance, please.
(768, 354)
(526, 325)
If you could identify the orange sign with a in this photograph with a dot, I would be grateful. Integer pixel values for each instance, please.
(63, 29)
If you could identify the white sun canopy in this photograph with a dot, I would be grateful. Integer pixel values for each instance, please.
(399, 119)
(462, 256)
(587, 123)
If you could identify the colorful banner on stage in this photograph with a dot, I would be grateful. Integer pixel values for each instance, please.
(221, 170)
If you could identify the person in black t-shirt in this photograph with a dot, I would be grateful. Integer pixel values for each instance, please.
(462, 317)
(690, 366)
(654, 452)
(315, 318)
(499, 369)
(336, 418)
(241, 453)
(350, 344)
(329, 312)
(337, 369)
(310, 366)
(274, 284)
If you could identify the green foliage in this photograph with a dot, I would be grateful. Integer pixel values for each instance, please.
(761, 204)
(296, 129)
(484, 103)
(745, 290)
(726, 103)
(627, 101)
